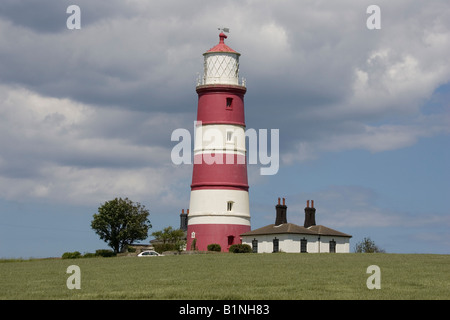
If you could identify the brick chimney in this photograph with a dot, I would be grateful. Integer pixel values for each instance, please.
(183, 220)
(281, 213)
(310, 215)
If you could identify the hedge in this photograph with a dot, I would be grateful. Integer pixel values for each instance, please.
(240, 248)
(214, 247)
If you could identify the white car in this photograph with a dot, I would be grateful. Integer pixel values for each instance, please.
(149, 253)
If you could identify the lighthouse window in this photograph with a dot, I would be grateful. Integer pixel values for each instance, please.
(229, 102)
(230, 205)
(229, 136)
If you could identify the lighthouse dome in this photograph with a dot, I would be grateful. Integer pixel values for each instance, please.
(222, 47)
(221, 65)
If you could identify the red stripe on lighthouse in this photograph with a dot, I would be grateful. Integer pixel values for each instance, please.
(221, 104)
(222, 175)
(223, 234)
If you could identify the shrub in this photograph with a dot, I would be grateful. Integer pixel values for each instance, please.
(105, 253)
(214, 247)
(366, 245)
(71, 255)
(161, 247)
(240, 248)
(89, 255)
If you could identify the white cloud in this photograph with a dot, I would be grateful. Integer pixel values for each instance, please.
(313, 70)
(342, 206)
(71, 158)
(371, 138)
(394, 73)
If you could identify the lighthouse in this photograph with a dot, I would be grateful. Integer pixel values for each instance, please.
(219, 203)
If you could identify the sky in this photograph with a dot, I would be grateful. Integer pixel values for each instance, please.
(86, 115)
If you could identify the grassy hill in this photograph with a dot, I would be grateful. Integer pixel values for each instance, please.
(231, 276)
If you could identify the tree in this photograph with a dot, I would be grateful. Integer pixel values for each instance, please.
(367, 246)
(172, 239)
(119, 222)
(168, 235)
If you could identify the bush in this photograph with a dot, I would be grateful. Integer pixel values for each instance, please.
(194, 245)
(240, 248)
(71, 255)
(214, 247)
(105, 253)
(367, 246)
(161, 247)
(89, 255)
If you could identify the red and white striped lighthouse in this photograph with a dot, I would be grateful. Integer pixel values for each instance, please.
(219, 205)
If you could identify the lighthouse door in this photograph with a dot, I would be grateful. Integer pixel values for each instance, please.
(230, 240)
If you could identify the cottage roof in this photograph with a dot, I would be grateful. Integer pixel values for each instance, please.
(292, 228)
(325, 231)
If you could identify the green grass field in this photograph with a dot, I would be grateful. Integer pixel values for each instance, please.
(231, 276)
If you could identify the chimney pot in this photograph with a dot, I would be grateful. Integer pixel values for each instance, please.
(307, 203)
(280, 213)
(183, 220)
(310, 215)
(187, 211)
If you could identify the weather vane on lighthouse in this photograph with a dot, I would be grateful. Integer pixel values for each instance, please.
(227, 30)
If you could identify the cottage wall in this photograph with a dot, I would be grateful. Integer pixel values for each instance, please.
(291, 243)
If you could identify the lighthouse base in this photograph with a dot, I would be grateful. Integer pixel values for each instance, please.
(223, 234)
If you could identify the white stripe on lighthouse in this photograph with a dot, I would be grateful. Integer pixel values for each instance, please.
(219, 206)
(223, 138)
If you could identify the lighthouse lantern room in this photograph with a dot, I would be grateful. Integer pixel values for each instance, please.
(219, 205)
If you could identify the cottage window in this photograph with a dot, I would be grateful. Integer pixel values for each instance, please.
(303, 243)
(276, 245)
(333, 246)
(255, 245)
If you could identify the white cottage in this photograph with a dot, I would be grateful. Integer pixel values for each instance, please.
(288, 237)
